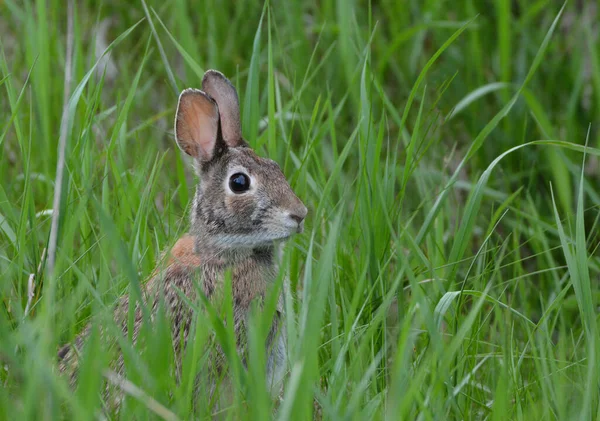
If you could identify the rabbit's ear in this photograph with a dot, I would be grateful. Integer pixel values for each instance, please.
(197, 124)
(222, 91)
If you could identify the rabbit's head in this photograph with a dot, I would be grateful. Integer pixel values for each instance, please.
(242, 200)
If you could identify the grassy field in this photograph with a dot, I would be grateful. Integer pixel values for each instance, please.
(449, 267)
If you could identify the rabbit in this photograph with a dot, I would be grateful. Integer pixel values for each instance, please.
(242, 212)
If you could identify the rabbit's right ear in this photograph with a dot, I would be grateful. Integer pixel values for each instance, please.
(215, 84)
(197, 124)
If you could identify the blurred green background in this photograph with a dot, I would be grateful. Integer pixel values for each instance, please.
(439, 276)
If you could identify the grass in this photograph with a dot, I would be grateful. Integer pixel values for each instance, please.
(448, 154)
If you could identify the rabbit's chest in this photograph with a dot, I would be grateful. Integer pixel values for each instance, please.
(250, 283)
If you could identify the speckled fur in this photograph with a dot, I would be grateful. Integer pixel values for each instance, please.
(238, 232)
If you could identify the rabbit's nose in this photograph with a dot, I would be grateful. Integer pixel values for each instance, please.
(297, 218)
(299, 213)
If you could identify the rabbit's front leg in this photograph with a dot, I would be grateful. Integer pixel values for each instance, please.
(276, 355)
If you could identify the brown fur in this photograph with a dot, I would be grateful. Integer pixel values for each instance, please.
(251, 277)
(183, 252)
(234, 231)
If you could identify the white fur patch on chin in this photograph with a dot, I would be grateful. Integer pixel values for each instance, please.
(281, 221)
(249, 240)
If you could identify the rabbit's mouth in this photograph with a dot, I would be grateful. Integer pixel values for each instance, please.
(288, 223)
(283, 230)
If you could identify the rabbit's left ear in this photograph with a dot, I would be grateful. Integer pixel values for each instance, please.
(197, 124)
(222, 91)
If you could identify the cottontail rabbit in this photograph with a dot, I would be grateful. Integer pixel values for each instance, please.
(242, 210)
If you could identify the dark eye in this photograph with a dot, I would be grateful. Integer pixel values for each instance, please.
(239, 182)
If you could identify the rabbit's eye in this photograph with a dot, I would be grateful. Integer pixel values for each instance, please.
(239, 182)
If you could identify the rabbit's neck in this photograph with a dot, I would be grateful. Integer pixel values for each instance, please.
(252, 275)
(253, 270)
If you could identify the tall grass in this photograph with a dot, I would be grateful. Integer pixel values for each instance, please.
(447, 151)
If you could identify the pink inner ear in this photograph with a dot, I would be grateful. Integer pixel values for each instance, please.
(197, 124)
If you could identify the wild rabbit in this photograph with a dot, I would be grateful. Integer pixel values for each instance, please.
(242, 211)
